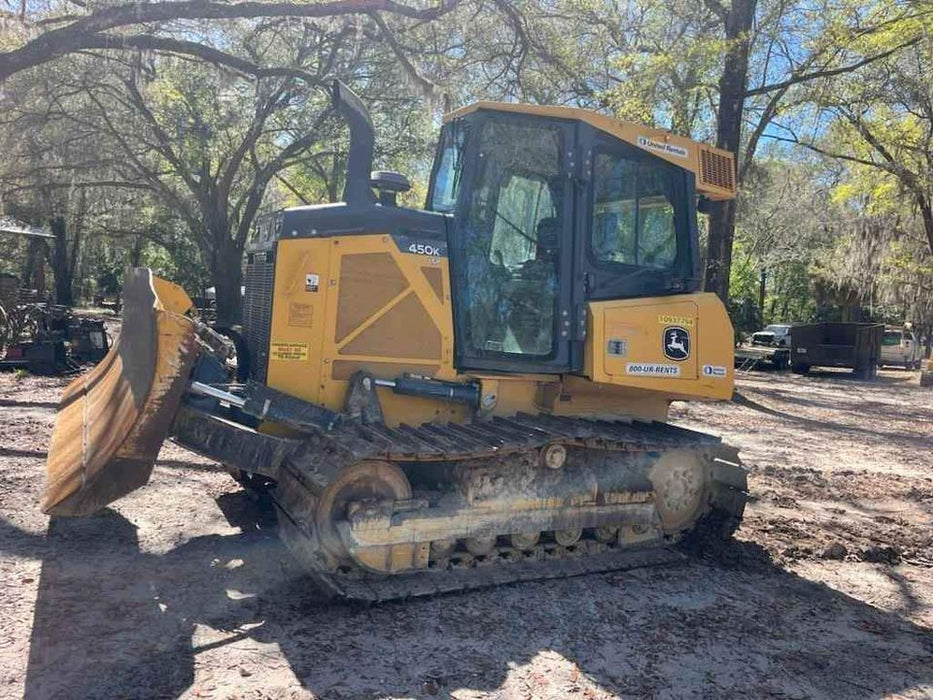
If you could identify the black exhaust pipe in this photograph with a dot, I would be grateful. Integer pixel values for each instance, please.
(362, 141)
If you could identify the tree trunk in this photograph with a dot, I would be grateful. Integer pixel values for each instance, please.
(136, 251)
(762, 290)
(227, 276)
(34, 269)
(732, 86)
(77, 233)
(719, 251)
(61, 268)
(926, 212)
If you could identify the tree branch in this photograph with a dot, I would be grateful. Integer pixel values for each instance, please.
(426, 85)
(147, 42)
(82, 33)
(718, 9)
(797, 78)
(770, 111)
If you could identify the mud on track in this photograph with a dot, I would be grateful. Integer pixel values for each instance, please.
(182, 589)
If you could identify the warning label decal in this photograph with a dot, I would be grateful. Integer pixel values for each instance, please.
(288, 351)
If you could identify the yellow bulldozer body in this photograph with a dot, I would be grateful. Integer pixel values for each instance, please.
(344, 304)
(350, 303)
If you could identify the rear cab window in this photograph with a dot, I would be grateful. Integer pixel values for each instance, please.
(445, 185)
(891, 338)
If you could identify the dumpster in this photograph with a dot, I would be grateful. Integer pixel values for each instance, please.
(853, 345)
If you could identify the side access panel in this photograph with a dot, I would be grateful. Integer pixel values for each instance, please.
(376, 302)
(678, 345)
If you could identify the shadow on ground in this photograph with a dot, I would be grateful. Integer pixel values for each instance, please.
(113, 621)
(854, 432)
(15, 403)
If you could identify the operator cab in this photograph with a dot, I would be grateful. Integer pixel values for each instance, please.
(549, 213)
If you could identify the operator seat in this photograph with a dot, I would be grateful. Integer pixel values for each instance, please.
(532, 317)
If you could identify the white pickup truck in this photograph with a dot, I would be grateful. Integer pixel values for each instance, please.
(899, 346)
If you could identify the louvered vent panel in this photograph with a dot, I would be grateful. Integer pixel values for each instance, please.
(717, 170)
(257, 311)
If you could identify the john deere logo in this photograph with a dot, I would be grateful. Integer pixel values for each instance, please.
(676, 343)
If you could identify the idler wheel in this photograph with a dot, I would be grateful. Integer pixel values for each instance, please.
(370, 480)
(681, 484)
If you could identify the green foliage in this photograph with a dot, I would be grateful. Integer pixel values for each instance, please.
(161, 159)
(665, 65)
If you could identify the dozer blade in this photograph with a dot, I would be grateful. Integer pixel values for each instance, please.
(112, 421)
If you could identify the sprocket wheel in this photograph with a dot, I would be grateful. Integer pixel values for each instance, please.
(681, 483)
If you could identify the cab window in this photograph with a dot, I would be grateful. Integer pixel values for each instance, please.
(891, 338)
(524, 200)
(446, 186)
(634, 222)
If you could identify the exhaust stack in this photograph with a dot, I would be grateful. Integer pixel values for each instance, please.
(357, 191)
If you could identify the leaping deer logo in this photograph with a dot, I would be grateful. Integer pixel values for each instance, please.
(676, 343)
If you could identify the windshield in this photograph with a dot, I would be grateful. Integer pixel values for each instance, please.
(777, 329)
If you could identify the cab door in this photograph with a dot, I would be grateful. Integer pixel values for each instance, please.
(512, 245)
(636, 232)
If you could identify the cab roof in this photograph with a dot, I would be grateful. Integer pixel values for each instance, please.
(714, 168)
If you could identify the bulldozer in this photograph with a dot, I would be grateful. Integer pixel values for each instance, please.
(452, 397)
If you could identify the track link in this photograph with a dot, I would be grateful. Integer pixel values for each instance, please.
(486, 575)
(320, 457)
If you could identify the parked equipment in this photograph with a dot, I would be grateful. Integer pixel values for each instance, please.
(853, 345)
(900, 346)
(775, 335)
(48, 339)
(770, 345)
(453, 397)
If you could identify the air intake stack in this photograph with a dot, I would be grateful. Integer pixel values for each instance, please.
(348, 105)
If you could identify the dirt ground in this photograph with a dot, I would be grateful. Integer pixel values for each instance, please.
(182, 589)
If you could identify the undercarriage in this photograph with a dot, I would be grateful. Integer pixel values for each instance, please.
(376, 513)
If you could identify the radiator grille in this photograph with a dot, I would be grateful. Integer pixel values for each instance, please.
(717, 170)
(257, 311)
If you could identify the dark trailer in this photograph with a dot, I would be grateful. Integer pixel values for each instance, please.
(853, 345)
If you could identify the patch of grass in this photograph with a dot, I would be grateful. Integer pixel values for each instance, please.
(20, 373)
